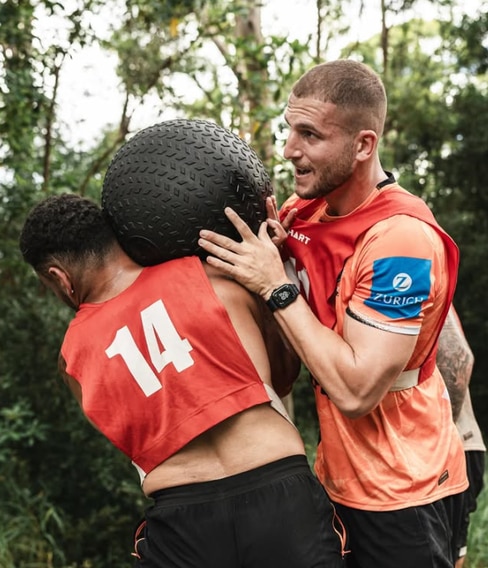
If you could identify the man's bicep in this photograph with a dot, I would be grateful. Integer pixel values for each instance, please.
(381, 355)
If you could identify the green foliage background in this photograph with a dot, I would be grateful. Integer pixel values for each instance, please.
(67, 498)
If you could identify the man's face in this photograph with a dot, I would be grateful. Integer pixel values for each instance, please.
(319, 146)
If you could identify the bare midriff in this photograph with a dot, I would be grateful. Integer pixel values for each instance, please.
(253, 438)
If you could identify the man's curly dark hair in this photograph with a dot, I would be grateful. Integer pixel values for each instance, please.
(65, 226)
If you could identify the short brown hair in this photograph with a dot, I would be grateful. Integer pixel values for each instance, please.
(350, 85)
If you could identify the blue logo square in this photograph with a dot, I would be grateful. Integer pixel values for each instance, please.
(400, 285)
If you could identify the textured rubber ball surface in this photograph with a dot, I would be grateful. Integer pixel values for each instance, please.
(174, 178)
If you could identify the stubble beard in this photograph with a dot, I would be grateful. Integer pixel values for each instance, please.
(332, 177)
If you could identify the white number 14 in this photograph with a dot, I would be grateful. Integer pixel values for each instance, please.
(158, 330)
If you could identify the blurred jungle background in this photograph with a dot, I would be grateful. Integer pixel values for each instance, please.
(79, 77)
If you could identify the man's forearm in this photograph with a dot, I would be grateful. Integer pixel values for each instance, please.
(455, 361)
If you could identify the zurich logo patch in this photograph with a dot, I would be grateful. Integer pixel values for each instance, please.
(400, 285)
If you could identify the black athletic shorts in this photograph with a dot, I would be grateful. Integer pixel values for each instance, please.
(415, 537)
(475, 467)
(277, 515)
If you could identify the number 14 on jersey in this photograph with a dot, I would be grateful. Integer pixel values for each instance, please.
(158, 330)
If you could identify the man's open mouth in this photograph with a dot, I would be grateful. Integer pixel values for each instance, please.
(302, 171)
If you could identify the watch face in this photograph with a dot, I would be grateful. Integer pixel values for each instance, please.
(283, 295)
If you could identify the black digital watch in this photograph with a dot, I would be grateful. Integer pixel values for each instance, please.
(282, 296)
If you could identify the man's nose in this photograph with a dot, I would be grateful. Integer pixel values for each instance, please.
(291, 149)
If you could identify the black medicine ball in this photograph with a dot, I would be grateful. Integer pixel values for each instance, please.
(174, 178)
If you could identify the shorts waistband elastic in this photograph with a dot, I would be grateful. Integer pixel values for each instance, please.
(234, 484)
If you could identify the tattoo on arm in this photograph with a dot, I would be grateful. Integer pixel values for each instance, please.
(455, 361)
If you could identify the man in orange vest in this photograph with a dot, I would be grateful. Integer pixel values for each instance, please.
(377, 276)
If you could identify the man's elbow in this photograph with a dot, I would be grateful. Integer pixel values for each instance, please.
(356, 407)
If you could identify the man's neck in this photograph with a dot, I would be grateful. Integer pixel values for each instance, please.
(105, 282)
(356, 191)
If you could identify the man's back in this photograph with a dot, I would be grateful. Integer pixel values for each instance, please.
(180, 356)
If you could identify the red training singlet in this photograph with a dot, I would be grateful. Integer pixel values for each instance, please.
(160, 363)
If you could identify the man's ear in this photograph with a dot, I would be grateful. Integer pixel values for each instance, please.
(367, 142)
(61, 279)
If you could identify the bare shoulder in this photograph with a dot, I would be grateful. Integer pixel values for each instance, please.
(259, 332)
(230, 292)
